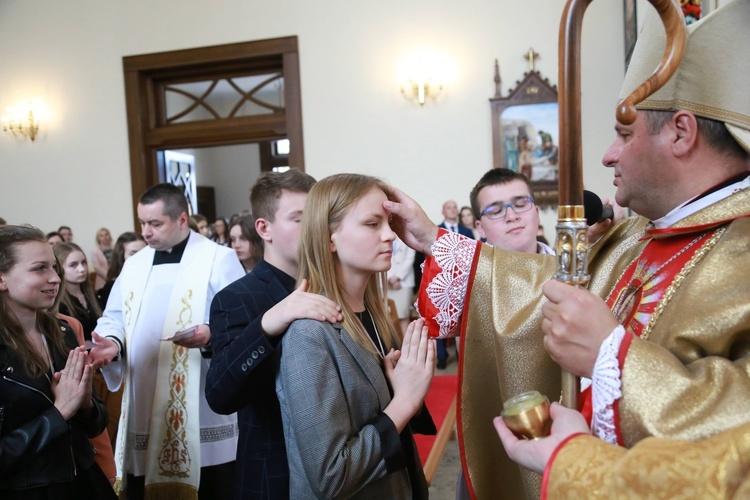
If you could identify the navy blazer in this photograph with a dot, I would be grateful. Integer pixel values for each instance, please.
(242, 377)
(462, 230)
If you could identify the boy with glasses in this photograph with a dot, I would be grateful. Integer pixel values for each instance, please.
(505, 211)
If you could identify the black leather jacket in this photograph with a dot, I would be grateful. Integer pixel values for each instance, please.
(37, 446)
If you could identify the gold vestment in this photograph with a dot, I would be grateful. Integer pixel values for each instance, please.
(718, 467)
(688, 380)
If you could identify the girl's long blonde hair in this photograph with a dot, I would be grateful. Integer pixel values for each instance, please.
(327, 204)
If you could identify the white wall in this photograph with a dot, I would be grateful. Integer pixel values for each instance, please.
(230, 170)
(69, 55)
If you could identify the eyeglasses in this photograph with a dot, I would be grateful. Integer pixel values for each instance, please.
(499, 210)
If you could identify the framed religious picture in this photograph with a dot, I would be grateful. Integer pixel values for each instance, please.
(525, 133)
(630, 28)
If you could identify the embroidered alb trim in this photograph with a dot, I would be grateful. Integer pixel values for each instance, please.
(605, 387)
(447, 291)
(139, 442)
(221, 433)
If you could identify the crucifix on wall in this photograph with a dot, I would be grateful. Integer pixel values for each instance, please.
(531, 56)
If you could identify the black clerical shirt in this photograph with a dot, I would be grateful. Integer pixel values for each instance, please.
(171, 256)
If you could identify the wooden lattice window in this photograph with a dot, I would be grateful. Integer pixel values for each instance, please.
(211, 96)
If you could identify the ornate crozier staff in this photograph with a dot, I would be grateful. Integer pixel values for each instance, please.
(572, 241)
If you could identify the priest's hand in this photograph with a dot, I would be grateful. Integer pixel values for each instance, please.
(103, 351)
(575, 324)
(410, 222)
(534, 454)
(201, 338)
(299, 304)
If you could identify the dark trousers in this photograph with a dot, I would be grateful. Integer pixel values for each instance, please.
(442, 350)
(217, 481)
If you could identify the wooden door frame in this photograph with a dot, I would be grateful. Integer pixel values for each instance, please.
(145, 76)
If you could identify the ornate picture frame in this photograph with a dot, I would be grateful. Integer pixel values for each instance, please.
(630, 28)
(525, 134)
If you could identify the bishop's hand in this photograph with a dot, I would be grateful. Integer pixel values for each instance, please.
(410, 222)
(575, 324)
(534, 454)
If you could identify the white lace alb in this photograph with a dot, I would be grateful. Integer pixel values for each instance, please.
(605, 387)
(453, 253)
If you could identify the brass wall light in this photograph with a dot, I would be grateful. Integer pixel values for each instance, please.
(22, 121)
(422, 79)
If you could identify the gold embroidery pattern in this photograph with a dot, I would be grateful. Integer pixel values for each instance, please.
(117, 486)
(185, 318)
(129, 308)
(122, 442)
(174, 457)
(717, 467)
(672, 289)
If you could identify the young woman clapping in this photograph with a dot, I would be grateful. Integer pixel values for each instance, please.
(48, 412)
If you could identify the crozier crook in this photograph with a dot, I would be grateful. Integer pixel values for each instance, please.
(571, 223)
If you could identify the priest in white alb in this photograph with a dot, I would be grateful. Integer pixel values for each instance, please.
(154, 338)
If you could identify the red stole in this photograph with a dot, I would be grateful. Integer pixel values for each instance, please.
(640, 289)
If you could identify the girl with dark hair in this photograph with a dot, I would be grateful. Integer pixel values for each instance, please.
(127, 245)
(221, 235)
(467, 219)
(246, 242)
(54, 238)
(47, 408)
(77, 294)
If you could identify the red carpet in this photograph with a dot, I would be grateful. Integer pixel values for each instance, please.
(438, 400)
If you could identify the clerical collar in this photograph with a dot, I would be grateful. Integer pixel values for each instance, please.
(713, 195)
(171, 256)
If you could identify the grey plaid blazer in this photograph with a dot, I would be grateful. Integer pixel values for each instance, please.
(332, 393)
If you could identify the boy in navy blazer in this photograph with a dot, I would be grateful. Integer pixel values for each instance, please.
(248, 319)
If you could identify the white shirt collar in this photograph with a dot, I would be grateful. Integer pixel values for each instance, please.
(544, 249)
(688, 208)
(541, 248)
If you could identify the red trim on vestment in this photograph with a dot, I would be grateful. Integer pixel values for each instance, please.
(678, 231)
(585, 405)
(627, 339)
(548, 468)
(426, 308)
(459, 420)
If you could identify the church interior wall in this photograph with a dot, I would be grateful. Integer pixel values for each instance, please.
(68, 55)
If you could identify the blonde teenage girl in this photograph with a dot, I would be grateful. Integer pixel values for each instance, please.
(347, 395)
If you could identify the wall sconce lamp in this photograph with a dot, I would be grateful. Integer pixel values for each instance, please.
(22, 122)
(422, 81)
